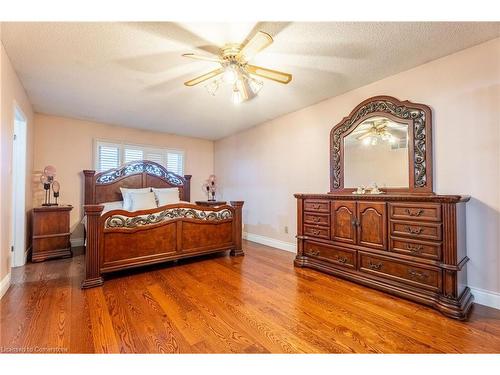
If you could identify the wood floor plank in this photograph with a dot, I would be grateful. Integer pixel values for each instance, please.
(258, 303)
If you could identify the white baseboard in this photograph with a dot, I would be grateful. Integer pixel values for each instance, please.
(76, 242)
(486, 297)
(4, 285)
(282, 245)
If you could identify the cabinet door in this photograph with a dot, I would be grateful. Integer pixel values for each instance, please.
(372, 224)
(344, 221)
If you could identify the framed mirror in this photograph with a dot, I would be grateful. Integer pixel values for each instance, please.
(385, 142)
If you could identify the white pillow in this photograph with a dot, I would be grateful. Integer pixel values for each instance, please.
(127, 203)
(110, 206)
(166, 196)
(142, 201)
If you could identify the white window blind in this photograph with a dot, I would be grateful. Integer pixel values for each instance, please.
(132, 154)
(157, 157)
(109, 157)
(175, 162)
(112, 155)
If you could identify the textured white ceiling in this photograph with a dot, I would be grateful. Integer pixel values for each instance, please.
(132, 74)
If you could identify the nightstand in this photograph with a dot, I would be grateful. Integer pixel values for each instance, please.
(210, 203)
(51, 233)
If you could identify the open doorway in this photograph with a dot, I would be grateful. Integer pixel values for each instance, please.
(19, 189)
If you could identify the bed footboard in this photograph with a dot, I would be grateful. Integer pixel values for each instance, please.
(120, 239)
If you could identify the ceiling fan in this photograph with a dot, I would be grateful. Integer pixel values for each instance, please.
(377, 129)
(236, 71)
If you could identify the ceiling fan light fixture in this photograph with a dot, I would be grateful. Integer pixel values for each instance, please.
(212, 87)
(236, 96)
(255, 85)
(234, 69)
(230, 74)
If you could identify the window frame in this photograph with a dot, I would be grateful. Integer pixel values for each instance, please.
(122, 145)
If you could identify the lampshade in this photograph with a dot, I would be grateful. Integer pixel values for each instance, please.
(255, 85)
(56, 187)
(236, 97)
(49, 171)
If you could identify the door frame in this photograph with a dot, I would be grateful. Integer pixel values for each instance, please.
(19, 172)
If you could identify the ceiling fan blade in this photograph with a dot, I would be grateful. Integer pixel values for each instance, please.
(274, 75)
(200, 57)
(204, 77)
(256, 44)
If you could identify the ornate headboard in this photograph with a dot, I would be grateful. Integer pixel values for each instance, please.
(105, 186)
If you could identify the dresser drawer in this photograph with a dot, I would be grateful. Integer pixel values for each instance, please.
(342, 257)
(417, 230)
(314, 205)
(316, 231)
(421, 249)
(401, 272)
(415, 211)
(317, 219)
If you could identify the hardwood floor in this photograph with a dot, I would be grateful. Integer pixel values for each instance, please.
(258, 303)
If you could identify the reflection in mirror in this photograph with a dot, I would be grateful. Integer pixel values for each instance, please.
(376, 151)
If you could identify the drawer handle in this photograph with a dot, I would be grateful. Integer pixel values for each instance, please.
(418, 275)
(414, 249)
(313, 252)
(315, 219)
(374, 266)
(340, 259)
(414, 212)
(315, 231)
(413, 230)
(316, 206)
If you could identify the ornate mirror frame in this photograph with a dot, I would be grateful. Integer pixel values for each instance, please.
(419, 120)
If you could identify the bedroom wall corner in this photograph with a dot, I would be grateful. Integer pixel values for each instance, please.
(12, 92)
(67, 144)
(265, 165)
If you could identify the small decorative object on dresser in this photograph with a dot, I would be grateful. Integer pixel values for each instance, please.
(48, 181)
(407, 241)
(51, 232)
(210, 203)
(210, 187)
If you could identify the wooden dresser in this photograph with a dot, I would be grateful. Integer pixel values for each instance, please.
(402, 239)
(411, 246)
(51, 234)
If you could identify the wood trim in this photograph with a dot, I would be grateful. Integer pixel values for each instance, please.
(112, 248)
(436, 278)
(417, 116)
(103, 184)
(132, 239)
(348, 196)
(237, 228)
(92, 254)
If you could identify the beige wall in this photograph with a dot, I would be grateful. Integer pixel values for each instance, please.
(267, 164)
(67, 144)
(12, 92)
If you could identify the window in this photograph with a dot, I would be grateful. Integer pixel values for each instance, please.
(112, 154)
(109, 156)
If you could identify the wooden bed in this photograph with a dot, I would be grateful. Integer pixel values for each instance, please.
(120, 239)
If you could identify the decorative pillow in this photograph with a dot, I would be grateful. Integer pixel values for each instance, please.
(142, 201)
(110, 206)
(127, 203)
(166, 196)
